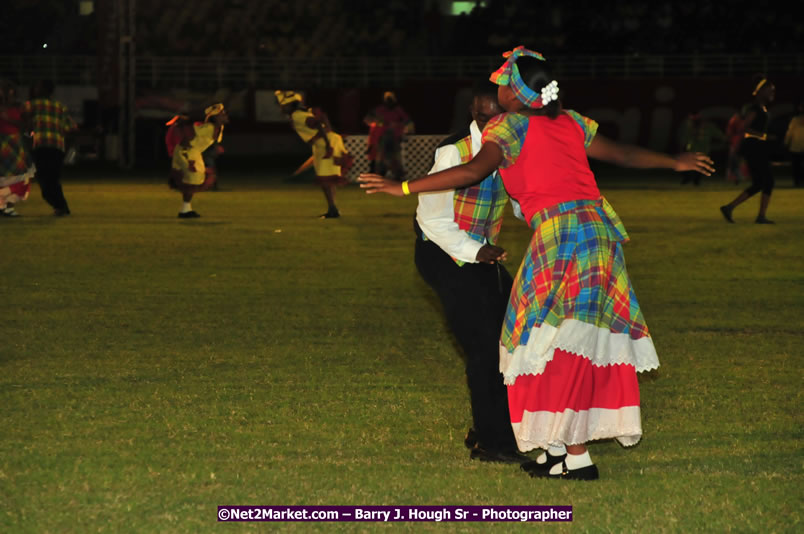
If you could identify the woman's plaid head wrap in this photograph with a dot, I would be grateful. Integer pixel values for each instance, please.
(508, 74)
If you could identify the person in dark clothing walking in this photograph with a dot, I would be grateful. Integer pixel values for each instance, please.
(51, 123)
(756, 151)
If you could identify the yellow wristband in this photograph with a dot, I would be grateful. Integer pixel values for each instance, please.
(405, 188)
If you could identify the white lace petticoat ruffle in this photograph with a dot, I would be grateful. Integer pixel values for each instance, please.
(600, 346)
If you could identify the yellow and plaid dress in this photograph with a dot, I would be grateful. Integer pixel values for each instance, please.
(324, 166)
(188, 166)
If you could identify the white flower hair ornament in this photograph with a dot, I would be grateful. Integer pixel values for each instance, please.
(549, 92)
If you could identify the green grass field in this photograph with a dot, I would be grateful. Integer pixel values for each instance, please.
(152, 369)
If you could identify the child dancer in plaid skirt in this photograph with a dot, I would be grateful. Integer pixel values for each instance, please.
(16, 167)
(574, 336)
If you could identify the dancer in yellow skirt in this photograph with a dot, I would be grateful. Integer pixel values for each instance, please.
(331, 160)
(193, 147)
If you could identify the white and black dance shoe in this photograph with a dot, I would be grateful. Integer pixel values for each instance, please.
(589, 472)
(536, 466)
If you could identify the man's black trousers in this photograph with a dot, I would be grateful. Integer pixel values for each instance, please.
(49, 162)
(474, 297)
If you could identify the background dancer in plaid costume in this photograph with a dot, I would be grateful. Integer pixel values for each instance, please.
(574, 336)
(456, 255)
(16, 169)
(51, 123)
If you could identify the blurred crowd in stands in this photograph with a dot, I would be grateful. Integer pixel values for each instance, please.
(337, 28)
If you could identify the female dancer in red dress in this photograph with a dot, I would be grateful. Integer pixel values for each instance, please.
(574, 336)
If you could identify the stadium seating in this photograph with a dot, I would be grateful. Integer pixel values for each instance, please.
(348, 28)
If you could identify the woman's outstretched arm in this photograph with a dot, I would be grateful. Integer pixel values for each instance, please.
(483, 164)
(633, 156)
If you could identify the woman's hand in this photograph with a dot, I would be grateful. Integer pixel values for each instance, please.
(694, 161)
(374, 183)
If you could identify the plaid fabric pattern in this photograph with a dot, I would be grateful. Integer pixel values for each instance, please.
(507, 130)
(526, 95)
(479, 208)
(588, 126)
(508, 74)
(50, 122)
(14, 160)
(574, 269)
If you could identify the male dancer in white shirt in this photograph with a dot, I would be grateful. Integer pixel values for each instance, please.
(456, 256)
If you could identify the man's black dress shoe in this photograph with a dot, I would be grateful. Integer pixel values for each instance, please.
(501, 456)
(471, 439)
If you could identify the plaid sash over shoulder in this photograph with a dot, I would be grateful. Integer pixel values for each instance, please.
(479, 208)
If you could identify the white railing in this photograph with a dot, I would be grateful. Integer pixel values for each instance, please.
(362, 72)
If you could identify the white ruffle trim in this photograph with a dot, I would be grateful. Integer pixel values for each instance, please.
(600, 346)
(540, 429)
(11, 180)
